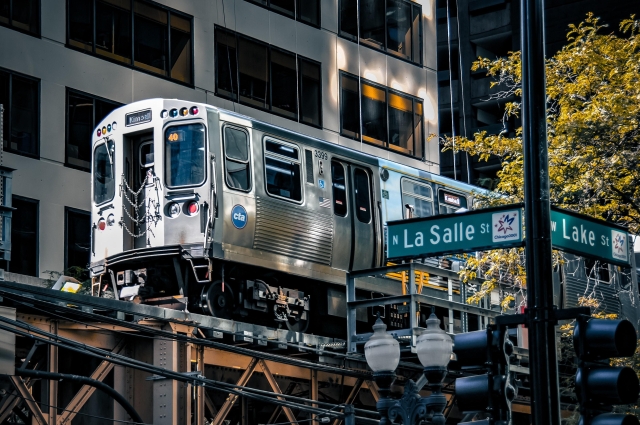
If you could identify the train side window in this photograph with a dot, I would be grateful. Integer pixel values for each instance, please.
(236, 159)
(339, 188)
(419, 195)
(363, 201)
(282, 170)
(451, 202)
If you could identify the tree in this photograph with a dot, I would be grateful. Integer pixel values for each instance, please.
(593, 131)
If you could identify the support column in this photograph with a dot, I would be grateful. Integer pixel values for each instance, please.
(200, 391)
(53, 384)
(313, 391)
(165, 391)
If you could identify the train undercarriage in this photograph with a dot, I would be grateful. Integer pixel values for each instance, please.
(176, 279)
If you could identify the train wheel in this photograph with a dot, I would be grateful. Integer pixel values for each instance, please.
(297, 325)
(218, 300)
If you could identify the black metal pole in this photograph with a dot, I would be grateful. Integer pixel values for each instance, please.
(545, 406)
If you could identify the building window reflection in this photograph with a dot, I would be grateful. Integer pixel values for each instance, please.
(21, 15)
(306, 11)
(381, 116)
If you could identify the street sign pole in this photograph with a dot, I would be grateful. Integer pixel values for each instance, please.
(545, 406)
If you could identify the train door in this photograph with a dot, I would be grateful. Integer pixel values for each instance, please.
(352, 208)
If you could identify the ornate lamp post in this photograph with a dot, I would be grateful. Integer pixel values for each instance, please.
(382, 352)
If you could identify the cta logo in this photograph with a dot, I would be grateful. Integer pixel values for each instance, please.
(506, 226)
(239, 217)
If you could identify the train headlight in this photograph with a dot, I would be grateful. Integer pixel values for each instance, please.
(102, 224)
(164, 114)
(173, 210)
(114, 126)
(111, 220)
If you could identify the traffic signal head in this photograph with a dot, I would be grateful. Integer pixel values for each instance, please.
(598, 385)
(598, 339)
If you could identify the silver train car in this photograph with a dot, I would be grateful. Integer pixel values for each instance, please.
(221, 213)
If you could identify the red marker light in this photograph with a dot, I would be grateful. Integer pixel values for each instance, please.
(99, 132)
(194, 110)
(102, 224)
(193, 208)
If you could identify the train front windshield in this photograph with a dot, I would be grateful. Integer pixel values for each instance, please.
(185, 155)
(104, 185)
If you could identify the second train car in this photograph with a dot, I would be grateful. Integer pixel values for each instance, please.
(232, 216)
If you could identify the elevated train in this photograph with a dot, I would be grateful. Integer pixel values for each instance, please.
(214, 211)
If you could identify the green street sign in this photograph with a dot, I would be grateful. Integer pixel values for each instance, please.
(490, 228)
(582, 235)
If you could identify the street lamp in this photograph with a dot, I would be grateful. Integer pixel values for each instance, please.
(434, 349)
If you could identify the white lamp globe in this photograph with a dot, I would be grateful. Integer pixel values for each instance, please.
(382, 351)
(434, 346)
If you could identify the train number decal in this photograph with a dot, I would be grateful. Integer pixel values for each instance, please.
(322, 155)
(239, 217)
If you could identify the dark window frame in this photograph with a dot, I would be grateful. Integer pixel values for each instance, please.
(170, 11)
(35, 202)
(346, 36)
(296, 12)
(67, 210)
(8, 110)
(269, 47)
(388, 91)
(274, 155)
(66, 128)
(37, 33)
(249, 162)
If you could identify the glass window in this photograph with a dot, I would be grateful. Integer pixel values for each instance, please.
(282, 173)
(284, 94)
(394, 26)
(401, 123)
(113, 29)
(389, 119)
(227, 65)
(20, 97)
(77, 240)
(349, 106)
(399, 28)
(310, 93)
(104, 183)
(180, 48)
(372, 17)
(362, 195)
(253, 66)
(268, 78)
(24, 237)
(84, 113)
(161, 38)
(21, 14)
(419, 196)
(185, 155)
(309, 12)
(339, 189)
(288, 7)
(150, 43)
(374, 114)
(450, 202)
(349, 19)
(236, 154)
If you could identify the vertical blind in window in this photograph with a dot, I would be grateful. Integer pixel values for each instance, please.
(84, 113)
(264, 77)
(21, 98)
(390, 119)
(23, 15)
(161, 38)
(394, 26)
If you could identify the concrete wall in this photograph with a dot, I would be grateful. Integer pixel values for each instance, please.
(58, 67)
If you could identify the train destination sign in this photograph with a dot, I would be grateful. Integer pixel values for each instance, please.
(582, 235)
(479, 230)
